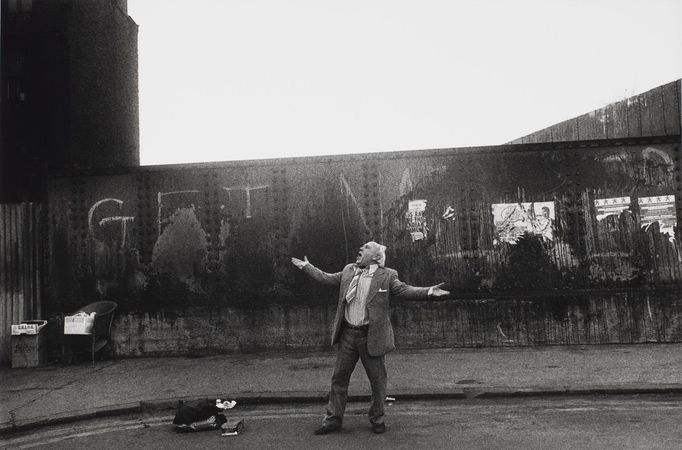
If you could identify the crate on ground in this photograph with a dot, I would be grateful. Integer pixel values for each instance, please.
(79, 323)
(28, 327)
(29, 348)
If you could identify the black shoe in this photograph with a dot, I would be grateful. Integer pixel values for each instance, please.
(378, 428)
(326, 429)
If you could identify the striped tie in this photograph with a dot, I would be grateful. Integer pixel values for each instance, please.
(353, 287)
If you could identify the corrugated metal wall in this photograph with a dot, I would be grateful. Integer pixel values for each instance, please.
(554, 243)
(187, 235)
(21, 260)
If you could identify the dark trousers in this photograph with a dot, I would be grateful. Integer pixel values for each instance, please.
(353, 345)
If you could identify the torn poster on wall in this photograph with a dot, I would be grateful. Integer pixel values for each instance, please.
(416, 222)
(512, 220)
(659, 209)
(449, 213)
(611, 206)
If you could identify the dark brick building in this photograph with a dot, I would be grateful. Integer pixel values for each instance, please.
(69, 91)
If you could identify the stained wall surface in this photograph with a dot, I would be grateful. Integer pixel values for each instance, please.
(552, 243)
(652, 113)
(21, 266)
(70, 92)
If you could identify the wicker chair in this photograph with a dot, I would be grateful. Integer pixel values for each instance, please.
(101, 328)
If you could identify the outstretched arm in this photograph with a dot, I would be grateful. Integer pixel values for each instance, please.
(404, 290)
(330, 279)
(438, 291)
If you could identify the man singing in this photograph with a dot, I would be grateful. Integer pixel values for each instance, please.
(362, 327)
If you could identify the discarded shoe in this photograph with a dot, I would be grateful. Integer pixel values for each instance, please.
(232, 427)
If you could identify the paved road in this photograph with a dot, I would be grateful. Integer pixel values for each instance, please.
(649, 422)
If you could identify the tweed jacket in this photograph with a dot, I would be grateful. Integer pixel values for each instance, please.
(384, 284)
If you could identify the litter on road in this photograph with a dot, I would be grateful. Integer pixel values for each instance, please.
(206, 414)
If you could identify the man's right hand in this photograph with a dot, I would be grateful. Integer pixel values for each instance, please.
(300, 263)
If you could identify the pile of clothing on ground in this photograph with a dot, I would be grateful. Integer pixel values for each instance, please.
(207, 414)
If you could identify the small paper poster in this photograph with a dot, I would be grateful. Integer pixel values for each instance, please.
(416, 222)
(611, 206)
(512, 220)
(659, 209)
(449, 213)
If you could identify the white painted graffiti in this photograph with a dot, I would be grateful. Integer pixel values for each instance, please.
(163, 216)
(168, 203)
(123, 220)
(247, 190)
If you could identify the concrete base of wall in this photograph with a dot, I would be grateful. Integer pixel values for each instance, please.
(592, 318)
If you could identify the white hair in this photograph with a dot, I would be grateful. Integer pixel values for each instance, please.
(381, 253)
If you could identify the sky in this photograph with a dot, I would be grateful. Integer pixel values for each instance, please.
(227, 80)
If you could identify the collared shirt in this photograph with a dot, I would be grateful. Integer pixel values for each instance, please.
(356, 311)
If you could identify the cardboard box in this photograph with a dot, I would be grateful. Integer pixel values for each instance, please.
(28, 344)
(28, 327)
(28, 350)
(78, 324)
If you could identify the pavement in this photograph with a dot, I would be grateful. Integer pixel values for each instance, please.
(58, 393)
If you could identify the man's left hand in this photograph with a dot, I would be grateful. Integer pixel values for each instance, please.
(300, 263)
(437, 291)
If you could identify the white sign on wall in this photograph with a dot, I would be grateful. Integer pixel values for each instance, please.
(611, 206)
(416, 222)
(512, 220)
(659, 209)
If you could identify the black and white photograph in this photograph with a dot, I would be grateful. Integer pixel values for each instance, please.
(379, 224)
